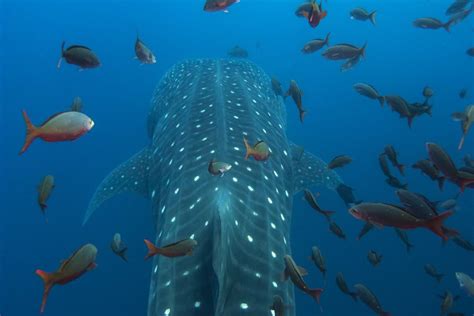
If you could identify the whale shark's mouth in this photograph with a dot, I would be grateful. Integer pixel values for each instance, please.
(201, 110)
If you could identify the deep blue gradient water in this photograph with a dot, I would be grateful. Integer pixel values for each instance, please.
(400, 59)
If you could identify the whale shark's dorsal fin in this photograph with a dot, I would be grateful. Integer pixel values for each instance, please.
(310, 170)
(130, 176)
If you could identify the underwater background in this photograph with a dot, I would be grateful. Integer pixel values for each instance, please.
(400, 59)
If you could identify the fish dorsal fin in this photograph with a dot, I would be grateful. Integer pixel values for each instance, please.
(302, 271)
(173, 244)
(311, 170)
(64, 262)
(52, 117)
(78, 46)
(346, 44)
(130, 176)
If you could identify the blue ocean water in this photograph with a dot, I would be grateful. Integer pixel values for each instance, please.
(400, 59)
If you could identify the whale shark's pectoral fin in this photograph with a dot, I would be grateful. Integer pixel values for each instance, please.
(310, 170)
(130, 176)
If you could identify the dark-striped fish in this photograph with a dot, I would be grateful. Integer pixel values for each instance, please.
(432, 24)
(344, 51)
(342, 285)
(362, 15)
(339, 161)
(369, 299)
(81, 56)
(315, 45)
(369, 91)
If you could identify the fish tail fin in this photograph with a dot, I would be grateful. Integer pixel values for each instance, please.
(123, 254)
(372, 17)
(362, 50)
(353, 295)
(284, 275)
(43, 206)
(441, 181)
(409, 247)
(248, 149)
(316, 294)
(323, 14)
(58, 65)
(447, 25)
(450, 232)
(328, 213)
(31, 132)
(410, 121)
(401, 168)
(439, 277)
(461, 142)
(465, 182)
(435, 224)
(326, 41)
(302, 115)
(152, 249)
(381, 100)
(48, 284)
(385, 314)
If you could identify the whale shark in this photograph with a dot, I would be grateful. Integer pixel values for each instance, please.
(201, 110)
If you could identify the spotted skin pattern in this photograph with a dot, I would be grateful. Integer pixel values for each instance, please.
(201, 110)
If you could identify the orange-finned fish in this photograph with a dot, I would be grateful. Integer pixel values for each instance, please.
(58, 128)
(219, 5)
(380, 215)
(181, 248)
(80, 262)
(316, 14)
(260, 151)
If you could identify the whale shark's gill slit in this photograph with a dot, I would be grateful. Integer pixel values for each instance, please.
(130, 176)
